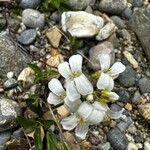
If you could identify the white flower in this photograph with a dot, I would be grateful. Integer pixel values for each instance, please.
(59, 95)
(108, 74)
(86, 115)
(72, 72)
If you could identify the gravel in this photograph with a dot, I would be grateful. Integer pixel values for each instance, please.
(144, 85)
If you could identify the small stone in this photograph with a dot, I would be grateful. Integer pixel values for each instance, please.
(29, 3)
(106, 31)
(118, 22)
(104, 146)
(128, 77)
(27, 37)
(81, 24)
(11, 83)
(136, 98)
(132, 146)
(128, 106)
(131, 59)
(62, 111)
(89, 10)
(117, 139)
(102, 48)
(146, 145)
(144, 85)
(9, 111)
(137, 3)
(85, 145)
(33, 18)
(18, 134)
(113, 6)
(115, 107)
(145, 110)
(54, 36)
(10, 75)
(127, 13)
(56, 16)
(139, 137)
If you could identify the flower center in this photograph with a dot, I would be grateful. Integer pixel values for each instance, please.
(81, 120)
(62, 96)
(107, 70)
(74, 75)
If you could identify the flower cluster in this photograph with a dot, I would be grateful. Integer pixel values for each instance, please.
(87, 104)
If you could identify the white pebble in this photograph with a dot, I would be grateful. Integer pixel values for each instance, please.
(146, 145)
(132, 146)
(10, 74)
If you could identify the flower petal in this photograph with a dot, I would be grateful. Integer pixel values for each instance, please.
(83, 85)
(70, 122)
(116, 69)
(100, 107)
(85, 110)
(75, 63)
(105, 82)
(72, 92)
(72, 105)
(81, 131)
(64, 69)
(56, 87)
(113, 96)
(116, 114)
(104, 61)
(53, 99)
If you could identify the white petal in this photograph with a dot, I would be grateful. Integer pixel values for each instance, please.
(99, 107)
(105, 82)
(116, 69)
(72, 105)
(56, 87)
(70, 122)
(53, 99)
(81, 131)
(116, 114)
(104, 61)
(83, 85)
(113, 96)
(85, 110)
(75, 63)
(96, 117)
(64, 69)
(72, 92)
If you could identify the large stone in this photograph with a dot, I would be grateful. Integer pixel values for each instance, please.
(113, 6)
(9, 111)
(140, 24)
(101, 48)
(81, 24)
(11, 57)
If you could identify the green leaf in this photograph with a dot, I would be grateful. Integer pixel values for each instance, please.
(51, 141)
(38, 139)
(35, 68)
(65, 146)
(48, 123)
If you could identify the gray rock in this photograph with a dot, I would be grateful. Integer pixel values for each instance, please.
(79, 4)
(33, 18)
(56, 16)
(18, 134)
(128, 77)
(124, 125)
(29, 3)
(136, 98)
(9, 111)
(127, 13)
(101, 48)
(117, 139)
(115, 107)
(139, 137)
(123, 95)
(118, 22)
(12, 58)
(104, 146)
(113, 6)
(140, 24)
(27, 37)
(144, 85)
(4, 137)
(137, 3)
(11, 83)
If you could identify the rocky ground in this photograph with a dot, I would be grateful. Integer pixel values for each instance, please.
(34, 32)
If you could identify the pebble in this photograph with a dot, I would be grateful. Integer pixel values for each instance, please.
(146, 145)
(104, 146)
(89, 10)
(10, 75)
(139, 137)
(113, 6)
(33, 18)
(117, 139)
(136, 98)
(81, 24)
(101, 48)
(124, 125)
(132, 146)
(127, 13)
(145, 110)
(128, 107)
(11, 83)
(128, 77)
(115, 107)
(29, 3)
(137, 3)
(18, 134)
(27, 37)
(144, 85)
(106, 31)
(118, 22)
(56, 16)
(54, 36)
(9, 111)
